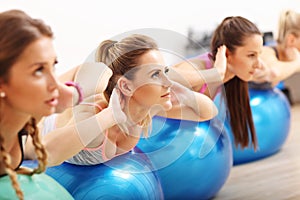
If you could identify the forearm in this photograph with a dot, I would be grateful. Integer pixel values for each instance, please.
(88, 78)
(284, 70)
(184, 99)
(63, 143)
(202, 105)
(193, 78)
(279, 70)
(68, 97)
(187, 76)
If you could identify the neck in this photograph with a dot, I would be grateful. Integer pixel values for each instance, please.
(281, 52)
(228, 75)
(11, 123)
(136, 112)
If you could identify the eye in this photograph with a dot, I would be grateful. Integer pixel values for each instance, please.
(167, 70)
(252, 55)
(155, 74)
(54, 67)
(39, 71)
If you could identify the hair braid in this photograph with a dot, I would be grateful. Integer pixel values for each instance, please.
(9, 170)
(38, 146)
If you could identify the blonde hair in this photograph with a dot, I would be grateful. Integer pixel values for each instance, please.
(122, 58)
(289, 23)
(40, 151)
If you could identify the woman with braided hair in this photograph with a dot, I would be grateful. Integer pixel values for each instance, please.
(29, 90)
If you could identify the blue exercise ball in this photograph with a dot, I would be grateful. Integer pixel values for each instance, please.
(272, 117)
(35, 187)
(191, 159)
(128, 176)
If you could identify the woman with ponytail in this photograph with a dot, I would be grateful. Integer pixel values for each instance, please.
(138, 88)
(242, 43)
(282, 58)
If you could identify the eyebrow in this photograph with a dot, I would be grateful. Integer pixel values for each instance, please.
(43, 63)
(154, 70)
(166, 67)
(255, 52)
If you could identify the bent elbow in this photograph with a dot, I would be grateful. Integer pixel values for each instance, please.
(53, 161)
(210, 113)
(215, 111)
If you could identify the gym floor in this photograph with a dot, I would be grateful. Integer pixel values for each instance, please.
(276, 177)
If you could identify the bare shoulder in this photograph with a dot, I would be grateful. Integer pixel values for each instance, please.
(268, 51)
(195, 63)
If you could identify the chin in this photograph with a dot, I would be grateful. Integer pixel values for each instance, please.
(247, 79)
(50, 112)
(167, 106)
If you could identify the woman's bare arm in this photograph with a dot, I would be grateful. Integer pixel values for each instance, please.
(278, 70)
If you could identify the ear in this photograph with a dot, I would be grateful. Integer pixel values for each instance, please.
(228, 56)
(2, 91)
(125, 86)
(290, 40)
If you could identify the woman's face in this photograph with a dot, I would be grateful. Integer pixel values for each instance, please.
(32, 86)
(151, 84)
(245, 59)
(296, 41)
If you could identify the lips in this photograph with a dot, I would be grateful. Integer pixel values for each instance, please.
(52, 102)
(166, 95)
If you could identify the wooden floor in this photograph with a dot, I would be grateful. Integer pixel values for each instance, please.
(274, 178)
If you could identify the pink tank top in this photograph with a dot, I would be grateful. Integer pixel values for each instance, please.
(208, 65)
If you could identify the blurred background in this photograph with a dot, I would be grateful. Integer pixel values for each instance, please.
(79, 26)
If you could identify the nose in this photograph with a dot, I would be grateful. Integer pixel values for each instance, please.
(258, 64)
(166, 82)
(52, 82)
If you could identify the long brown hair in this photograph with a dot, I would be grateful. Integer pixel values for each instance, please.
(232, 32)
(18, 31)
(122, 57)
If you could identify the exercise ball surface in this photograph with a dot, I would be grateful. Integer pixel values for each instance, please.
(35, 187)
(272, 117)
(128, 176)
(191, 159)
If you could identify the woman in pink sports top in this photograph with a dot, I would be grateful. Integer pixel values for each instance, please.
(241, 42)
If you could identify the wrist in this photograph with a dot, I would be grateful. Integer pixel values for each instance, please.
(78, 89)
(108, 112)
(187, 98)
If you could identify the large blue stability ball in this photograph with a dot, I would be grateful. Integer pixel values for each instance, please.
(128, 176)
(191, 159)
(272, 117)
(35, 187)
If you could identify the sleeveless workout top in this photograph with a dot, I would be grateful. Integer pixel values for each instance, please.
(87, 156)
(49, 124)
(90, 156)
(208, 65)
(22, 137)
